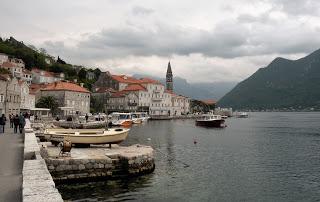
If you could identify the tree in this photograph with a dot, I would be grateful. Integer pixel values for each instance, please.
(97, 72)
(82, 74)
(48, 102)
(60, 61)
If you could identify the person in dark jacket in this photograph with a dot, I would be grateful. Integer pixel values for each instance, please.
(22, 122)
(11, 116)
(16, 123)
(2, 123)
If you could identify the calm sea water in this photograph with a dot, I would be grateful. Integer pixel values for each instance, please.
(266, 157)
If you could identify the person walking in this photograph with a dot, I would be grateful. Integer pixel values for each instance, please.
(2, 123)
(11, 120)
(22, 122)
(16, 123)
(87, 117)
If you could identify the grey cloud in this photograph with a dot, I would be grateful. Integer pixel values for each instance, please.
(229, 39)
(138, 10)
(298, 7)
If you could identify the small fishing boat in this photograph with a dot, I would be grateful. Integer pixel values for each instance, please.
(121, 119)
(87, 136)
(242, 115)
(80, 125)
(211, 120)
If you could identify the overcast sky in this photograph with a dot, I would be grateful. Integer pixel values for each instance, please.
(205, 40)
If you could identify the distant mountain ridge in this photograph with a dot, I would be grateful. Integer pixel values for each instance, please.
(283, 84)
(214, 90)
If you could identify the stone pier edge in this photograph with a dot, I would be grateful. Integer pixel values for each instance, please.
(37, 184)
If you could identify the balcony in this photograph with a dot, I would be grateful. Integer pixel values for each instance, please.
(156, 91)
(156, 99)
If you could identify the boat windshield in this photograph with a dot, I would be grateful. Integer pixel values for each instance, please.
(123, 116)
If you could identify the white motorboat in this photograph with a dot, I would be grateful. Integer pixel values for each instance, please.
(121, 119)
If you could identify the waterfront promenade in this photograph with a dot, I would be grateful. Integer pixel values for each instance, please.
(11, 157)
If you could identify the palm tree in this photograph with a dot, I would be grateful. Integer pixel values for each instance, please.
(48, 102)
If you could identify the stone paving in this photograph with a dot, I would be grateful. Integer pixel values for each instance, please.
(11, 157)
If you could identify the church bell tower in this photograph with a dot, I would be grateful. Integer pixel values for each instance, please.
(169, 78)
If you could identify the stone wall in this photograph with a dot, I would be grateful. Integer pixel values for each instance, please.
(100, 162)
(37, 184)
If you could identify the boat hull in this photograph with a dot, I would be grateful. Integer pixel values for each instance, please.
(89, 125)
(85, 136)
(211, 123)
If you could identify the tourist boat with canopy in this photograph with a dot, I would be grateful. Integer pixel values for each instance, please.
(211, 120)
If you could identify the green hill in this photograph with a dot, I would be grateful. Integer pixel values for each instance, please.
(283, 84)
(40, 59)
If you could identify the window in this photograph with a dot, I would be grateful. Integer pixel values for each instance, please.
(1, 98)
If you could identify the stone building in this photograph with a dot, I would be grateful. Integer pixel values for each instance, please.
(90, 75)
(14, 68)
(10, 97)
(100, 97)
(3, 58)
(27, 99)
(42, 76)
(105, 80)
(69, 95)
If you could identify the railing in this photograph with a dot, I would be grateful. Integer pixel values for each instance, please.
(132, 104)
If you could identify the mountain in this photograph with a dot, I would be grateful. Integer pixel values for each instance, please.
(283, 84)
(214, 90)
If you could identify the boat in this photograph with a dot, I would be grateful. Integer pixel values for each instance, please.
(87, 136)
(211, 120)
(80, 125)
(139, 117)
(242, 115)
(121, 119)
(144, 116)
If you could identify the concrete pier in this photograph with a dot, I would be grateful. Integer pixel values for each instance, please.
(98, 162)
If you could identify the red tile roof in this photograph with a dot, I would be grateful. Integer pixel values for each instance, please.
(132, 80)
(34, 88)
(65, 86)
(45, 73)
(135, 87)
(105, 89)
(148, 80)
(26, 71)
(118, 94)
(124, 79)
(8, 65)
(209, 102)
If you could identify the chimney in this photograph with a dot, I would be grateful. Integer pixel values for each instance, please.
(75, 80)
(81, 84)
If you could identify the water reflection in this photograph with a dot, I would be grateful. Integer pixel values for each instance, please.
(267, 157)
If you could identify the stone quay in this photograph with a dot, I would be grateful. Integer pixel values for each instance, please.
(97, 162)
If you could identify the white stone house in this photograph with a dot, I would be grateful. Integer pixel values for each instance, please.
(3, 58)
(14, 68)
(27, 99)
